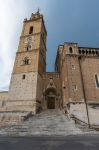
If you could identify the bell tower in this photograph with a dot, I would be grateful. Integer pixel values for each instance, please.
(30, 64)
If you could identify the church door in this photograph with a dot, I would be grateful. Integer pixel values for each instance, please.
(51, 103)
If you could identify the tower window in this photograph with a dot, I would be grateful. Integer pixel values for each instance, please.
(79, 51)
(23, 77)
(70, 50)
(31, 30)
(96, 52)
(97, 80)
(26, 61)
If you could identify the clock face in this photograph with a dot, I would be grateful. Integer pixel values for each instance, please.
(29, 39)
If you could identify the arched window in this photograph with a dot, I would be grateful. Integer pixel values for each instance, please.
(70, 50)
(26, 61)
(86, 52)
(31, 30)
(97, 80)
(28, 47)
(89, 51)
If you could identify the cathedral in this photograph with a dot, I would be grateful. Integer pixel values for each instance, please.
(73, 86)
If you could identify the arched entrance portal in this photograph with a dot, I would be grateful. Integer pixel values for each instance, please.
(51, 98)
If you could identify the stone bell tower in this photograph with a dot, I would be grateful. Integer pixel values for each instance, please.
(26, 83)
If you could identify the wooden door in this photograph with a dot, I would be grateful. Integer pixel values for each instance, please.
(51, 103)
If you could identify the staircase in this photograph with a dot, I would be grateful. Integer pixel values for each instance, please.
(49, 122)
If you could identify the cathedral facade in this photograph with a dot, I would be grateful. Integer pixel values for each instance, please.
(72, 86)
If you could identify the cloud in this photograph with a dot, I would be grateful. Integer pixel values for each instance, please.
(12, 14)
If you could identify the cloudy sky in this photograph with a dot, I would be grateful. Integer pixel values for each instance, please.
(65, 20)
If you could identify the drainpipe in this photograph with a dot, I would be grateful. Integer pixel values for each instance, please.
(83, 87)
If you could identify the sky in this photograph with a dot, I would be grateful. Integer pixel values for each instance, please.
(65, 21)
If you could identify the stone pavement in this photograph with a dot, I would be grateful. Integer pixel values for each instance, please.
(49, 122)
(78, 142)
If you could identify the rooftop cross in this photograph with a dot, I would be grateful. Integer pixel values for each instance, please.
(38, 10)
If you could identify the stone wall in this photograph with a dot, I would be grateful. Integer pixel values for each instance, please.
(3, 98)
(90, 67)
(77, 71)
(79, 111)
(39, 92)
(36, 25)
(71, 82)
(93, 110)
(4, 95)
(22, 92)
(74, 79)
(23, 89)
(19, 67)
(20, 106)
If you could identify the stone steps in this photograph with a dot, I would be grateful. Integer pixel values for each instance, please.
(49, 122)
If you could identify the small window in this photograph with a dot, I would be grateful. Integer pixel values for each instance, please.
(27, 48)
(97, 80)
(31, 30)
(70, 50)
(73, 66)
(23, 77)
